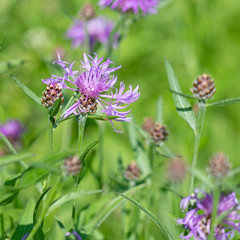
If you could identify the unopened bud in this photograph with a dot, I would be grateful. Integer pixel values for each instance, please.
(176, 169)
(159, 133)
(148, 125)
(72, 165)
(132, 172)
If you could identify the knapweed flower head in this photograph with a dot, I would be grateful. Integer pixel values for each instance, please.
(96, 30)
(96, 87)
(197, 220)
(145, 6)
(12, 129)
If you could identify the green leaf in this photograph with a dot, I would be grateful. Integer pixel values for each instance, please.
(69, 197)
(8, 65)
(7, 142)
(108, 209)
(151, 215)
(223, 102)
(102, 118)
(184, 95)
(38, 204)
(82, 158)
(29, 92)
(25, 223)
(7, 194)
(183, 107)
(54, 109)
(6, 160)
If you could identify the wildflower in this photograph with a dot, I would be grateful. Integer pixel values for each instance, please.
(132, 172)
(159, 133)
(197, 220)
(219, 166)
(25, 236)
(72, 165)
(77, 236)
(176, 169)
(96, 30)
(146, 6)
(93, 82)
(12, 130)
(203, 87)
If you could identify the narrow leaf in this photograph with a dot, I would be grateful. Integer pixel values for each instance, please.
(7, 194)
(183, 107)
(102, 118)
(6, 160)
(29, 92)
(7, 142)
(69, 197)
(38, 204)
(224, 102)
(159, 110)
(54, 109)
(151, 215)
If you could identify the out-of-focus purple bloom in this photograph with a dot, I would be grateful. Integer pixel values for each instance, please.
(146, 6)
(197, 220)
(77, 236)
(93, 83)
(25, 236)
(12, 129)
(97, 30)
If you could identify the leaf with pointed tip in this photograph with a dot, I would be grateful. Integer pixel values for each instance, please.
(82, 158)
(224, 102)
(183, 107)
(29, 92)
(151, 215)
(7, 194)
(54, 109)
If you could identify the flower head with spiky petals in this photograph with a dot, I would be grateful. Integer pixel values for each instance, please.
(96, 87)
(146, 6)
(98, 31)
(197, 220)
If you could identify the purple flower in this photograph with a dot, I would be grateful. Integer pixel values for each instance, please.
(77, 236)
(197, 220)
(25, 236)
(146, 6)
(98, 31)
(96, 87)
(12, 129)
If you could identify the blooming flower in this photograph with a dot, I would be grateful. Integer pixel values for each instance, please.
(197, 220)
(146, 6)
(77, 236)
(98, 30)
(93, 82)
(12, 129)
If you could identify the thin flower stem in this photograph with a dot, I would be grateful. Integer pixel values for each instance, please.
(2, 224)
(216, 197)
(50, 134)
(81, 127)
(200, 121)
(101, 152)
(9, 145)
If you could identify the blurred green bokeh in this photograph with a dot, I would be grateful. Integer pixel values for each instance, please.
(196, 36)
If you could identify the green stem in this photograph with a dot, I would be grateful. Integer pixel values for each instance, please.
(216, 197)
(50, 134)
(200, 121)
(7, 142)
(101, 152)
(2, 225)
(81, 127)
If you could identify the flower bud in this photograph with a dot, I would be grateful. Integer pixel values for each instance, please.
(87, 12)
(148, 125)
(176, 169)
(132, 172)
(72, 165)
(159, 133)
(203, 87)
(219, 166)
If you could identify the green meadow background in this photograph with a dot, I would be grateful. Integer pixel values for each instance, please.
(196, 36)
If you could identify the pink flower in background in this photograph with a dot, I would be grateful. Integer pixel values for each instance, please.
(12, 129)
(146, 6)
(97, 30)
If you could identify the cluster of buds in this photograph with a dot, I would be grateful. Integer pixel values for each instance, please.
(87, 12)
(156, 131)
(72, 165)
(219, 166)
(132, 172)
(203, 87)
(52, 94)
(88, 104)
(176, 169)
